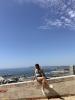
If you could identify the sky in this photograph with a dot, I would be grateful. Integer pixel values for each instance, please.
(37, 31)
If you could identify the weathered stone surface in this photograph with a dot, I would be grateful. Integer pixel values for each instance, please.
(62, 86)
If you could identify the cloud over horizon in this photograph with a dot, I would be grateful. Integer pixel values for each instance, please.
(61, 13)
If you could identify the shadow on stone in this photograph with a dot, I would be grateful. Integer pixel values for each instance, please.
(51, 93)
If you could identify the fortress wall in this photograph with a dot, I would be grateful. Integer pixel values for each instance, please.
(61, 86)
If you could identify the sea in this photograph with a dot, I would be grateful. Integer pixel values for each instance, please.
(27, 71)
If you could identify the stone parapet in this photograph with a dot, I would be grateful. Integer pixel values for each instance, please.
(62, 86)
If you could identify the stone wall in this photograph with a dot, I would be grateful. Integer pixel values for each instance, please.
(62, 86)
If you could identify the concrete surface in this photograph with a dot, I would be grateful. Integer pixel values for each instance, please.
(62, 86)
(63, 98)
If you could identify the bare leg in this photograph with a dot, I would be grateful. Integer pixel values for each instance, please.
(43, 81)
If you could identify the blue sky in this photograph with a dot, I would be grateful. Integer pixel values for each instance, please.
(38, 31)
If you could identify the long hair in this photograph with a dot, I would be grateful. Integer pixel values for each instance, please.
(37, 66)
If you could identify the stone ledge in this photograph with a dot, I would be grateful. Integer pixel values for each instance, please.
(62, 86)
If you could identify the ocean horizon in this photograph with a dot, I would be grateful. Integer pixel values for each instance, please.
(26, 71)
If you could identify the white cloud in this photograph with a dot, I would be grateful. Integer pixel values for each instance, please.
(61, 13)
(71, 13)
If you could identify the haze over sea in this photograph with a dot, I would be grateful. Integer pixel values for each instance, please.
(27, 71)
(16, 71)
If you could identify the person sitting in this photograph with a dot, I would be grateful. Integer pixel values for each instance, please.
(40, 76)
